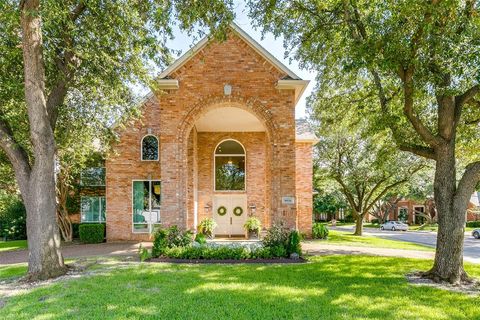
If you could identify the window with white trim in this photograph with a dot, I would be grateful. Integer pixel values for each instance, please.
(229, 166)
(92, 209)
(146, 205)
(150, 148)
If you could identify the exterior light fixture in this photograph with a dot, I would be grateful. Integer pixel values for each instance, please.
(227, 90)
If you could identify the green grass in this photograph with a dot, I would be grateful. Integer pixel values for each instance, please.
(347, 239)
(330, 287)
(13, 245)
(13, 270)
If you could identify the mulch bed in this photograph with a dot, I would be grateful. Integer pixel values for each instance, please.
(227, 261)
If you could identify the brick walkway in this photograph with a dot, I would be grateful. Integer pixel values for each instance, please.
(80, 250)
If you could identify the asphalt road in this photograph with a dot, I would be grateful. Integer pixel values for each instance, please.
(471, 250)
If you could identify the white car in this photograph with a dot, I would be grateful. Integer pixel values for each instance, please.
(476, 233)
(394, 225)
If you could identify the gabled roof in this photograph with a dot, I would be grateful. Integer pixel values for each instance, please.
(243, 35)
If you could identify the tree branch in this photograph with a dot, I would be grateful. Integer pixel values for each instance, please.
(384, 191)
(467, 96)
(16, 153)
(422, 151)
(467, 183)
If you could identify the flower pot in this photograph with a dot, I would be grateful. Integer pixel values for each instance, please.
(252, 234)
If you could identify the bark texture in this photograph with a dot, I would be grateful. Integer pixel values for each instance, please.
(38, 186)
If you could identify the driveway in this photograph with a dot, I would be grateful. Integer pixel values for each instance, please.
(471, 250)
(80, 250)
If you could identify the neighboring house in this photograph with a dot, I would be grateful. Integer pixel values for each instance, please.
(413, 212)
(473, 210)
(218, 139)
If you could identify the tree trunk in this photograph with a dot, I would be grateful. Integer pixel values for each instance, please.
(45, 259)
(448, 264)
(358, 225)
(38, 188)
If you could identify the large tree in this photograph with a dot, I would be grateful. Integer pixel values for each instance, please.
(364, 168)
(96, 48)
(420, 59)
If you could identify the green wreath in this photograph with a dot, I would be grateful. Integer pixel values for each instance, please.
(238, 211)
(221, 211)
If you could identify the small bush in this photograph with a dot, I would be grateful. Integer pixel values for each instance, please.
(294, 245)
(473, 224)
(92, 232)
(278, 251)
(143, 253)
(75, 231)
(375, 221)
(201, 238)
(277, 235)
(207, 252)
(319, 231)
(170, 238)
(207, 226)
(13, 218)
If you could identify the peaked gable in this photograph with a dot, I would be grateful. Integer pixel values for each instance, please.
(245, 37)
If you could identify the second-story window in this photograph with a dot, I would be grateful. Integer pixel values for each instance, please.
(149, 148)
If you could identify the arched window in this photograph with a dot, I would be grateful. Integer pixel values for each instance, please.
(229, 166)
(149, 148)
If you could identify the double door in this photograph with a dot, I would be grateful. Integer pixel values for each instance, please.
(230, 214)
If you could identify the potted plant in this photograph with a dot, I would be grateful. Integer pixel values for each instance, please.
(252, 226)
(207, 226)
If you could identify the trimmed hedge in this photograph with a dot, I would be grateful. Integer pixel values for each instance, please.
(473, 224)
(206, 252)
(92, 232)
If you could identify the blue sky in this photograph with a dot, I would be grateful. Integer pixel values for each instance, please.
(274, 46)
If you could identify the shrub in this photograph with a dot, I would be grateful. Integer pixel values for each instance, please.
(375, 221)
(208, 252)
(276, 235)
(278, 251)
(13, 218)
(143, 253)
(92, 232)
(294, 245)
(170, 238)
(75, 231)
(319, 231)
(252, 225)
(473, 224)
(207, 226)
(201, 238)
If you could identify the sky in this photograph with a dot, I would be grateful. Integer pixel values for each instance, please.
(274, 46)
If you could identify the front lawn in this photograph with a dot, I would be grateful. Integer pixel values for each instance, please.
(329, 287)
(348, 239)
(13, 245)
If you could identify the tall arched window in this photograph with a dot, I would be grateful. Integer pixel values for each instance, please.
(229, 166)
(149, 148)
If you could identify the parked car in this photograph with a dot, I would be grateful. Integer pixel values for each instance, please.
(476, 233)
(394, 225)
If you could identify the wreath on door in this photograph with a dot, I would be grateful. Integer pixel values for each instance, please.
(238, 211)
(221, 211)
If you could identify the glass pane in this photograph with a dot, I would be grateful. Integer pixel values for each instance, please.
(138, 201)
(95, 208)
(92, 177)
(103, 209)
(229, 147)
(156, 199)
(150, 148)
(230, 173)
(85, 208)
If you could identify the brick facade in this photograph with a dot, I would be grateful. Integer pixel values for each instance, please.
(276, 165)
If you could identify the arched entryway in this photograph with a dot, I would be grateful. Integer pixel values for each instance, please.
(228, 172)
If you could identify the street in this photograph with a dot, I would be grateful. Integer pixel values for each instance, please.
(471, 245)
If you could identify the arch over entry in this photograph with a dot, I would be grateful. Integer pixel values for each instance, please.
(251, 105)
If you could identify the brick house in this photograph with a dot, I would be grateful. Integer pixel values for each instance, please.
(217, 139)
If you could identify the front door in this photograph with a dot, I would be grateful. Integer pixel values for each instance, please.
(230, 214)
